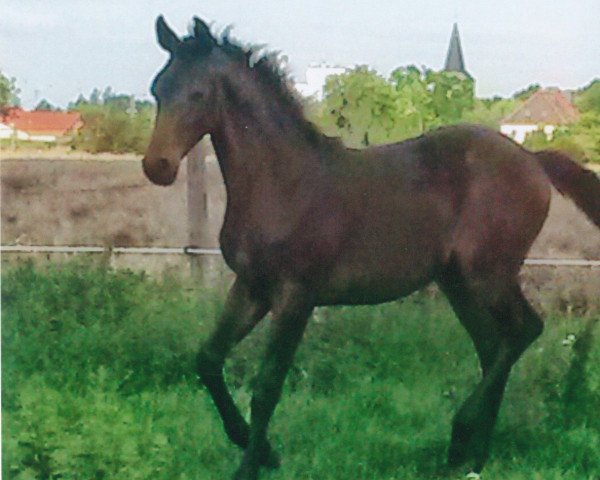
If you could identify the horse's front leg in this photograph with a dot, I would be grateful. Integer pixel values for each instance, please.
(242, 312)
(291, 310)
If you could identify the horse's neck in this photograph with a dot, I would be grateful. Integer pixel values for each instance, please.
(268, 149)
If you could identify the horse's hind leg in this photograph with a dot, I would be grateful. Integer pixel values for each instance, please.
(242, 312)
(501, 330)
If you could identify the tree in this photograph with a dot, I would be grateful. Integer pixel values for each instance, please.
(365, 108)
(119, 102)
(107, 94)
(116, 123)
(436, 98)
(95, 97)
(81, 100)
(452, 95)
(46, 105)
(415, 96)
(361, 106)
(526, 92)
(588, 98)
(490, 111)
(9, 93)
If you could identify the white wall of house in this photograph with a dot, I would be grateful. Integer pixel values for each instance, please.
(316, 76)
(519, 132)
(6, 131)
(549, 131)
(42, 138)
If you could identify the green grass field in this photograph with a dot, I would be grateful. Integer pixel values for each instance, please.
(98, 382)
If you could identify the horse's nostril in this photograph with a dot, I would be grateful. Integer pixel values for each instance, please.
(163, 163)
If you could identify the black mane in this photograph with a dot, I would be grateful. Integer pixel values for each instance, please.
(269, 71)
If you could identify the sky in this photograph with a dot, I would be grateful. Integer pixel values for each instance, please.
(57, 49)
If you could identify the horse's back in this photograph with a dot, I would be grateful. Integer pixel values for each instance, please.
(464, 194)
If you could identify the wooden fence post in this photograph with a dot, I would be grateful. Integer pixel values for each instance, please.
(197, 207)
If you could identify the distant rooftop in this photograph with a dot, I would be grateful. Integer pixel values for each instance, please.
(549, 106)
(41, 121)
(455, 61)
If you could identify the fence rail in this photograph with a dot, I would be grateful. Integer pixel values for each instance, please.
(99, 249)
(537, 262)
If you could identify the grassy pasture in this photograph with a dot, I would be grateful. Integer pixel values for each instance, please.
(98, 383)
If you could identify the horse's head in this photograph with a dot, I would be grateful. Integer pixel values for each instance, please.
(185, 91)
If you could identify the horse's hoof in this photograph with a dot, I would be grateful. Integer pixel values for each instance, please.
(460, 460)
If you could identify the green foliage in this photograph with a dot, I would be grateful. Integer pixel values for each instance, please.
(588, 99)
(9, 93)
(362, 105)
(45, 105)
(452, 95)
(98, 382)
(524, 94)
(416, 98)
(82, 436)
(364, 108)
(84, 318)
(562, 139)
(113, 123)
(16, 144)
(586, 132)
(490, 111)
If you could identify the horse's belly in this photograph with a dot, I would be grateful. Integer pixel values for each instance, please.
(371, 284)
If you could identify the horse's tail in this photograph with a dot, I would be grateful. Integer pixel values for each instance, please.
(570, 179)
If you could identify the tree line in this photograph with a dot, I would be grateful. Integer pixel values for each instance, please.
(365, 108)
(361, 106)
(112, 122)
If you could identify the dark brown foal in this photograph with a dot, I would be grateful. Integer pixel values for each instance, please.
(309, 222)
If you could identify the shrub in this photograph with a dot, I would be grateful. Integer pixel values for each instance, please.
(66, 322)
(108, 128)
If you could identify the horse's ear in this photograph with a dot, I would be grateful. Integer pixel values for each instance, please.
(202, 33)
(166, 37)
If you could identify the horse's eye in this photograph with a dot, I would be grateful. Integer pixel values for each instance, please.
(196, 96)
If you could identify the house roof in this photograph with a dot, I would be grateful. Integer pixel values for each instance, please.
(42, 121)
(548, 106)
(455, 61)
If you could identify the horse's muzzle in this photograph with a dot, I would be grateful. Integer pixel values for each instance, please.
(160, 171)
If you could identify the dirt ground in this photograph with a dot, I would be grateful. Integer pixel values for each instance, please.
(85, 202)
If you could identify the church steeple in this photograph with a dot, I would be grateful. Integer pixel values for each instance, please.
(454, 59)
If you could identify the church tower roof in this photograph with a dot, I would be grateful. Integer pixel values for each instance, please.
(454, 59)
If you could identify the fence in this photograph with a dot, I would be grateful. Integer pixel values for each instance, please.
(207, 263)
(197, 251)
(202, 264)
(550, 282)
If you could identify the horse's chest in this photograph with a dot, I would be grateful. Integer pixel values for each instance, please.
(249, 249)
(296, 249)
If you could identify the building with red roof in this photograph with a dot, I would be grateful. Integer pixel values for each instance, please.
(39, 125)
(545, 110)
